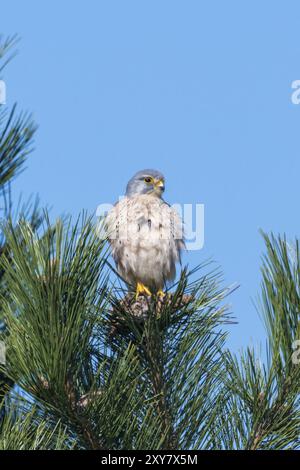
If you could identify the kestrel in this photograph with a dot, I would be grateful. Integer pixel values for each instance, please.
(145, 234)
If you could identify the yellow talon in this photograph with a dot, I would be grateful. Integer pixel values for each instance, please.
(141, 289)
(161, 293)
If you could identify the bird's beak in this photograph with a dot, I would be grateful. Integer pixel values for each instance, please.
(159, 185)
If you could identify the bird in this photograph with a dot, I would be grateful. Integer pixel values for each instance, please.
(145, 234)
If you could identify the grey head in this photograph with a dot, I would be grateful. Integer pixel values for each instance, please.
(146, 182)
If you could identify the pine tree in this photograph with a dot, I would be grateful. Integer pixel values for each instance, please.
(16, 138)
(90, 367)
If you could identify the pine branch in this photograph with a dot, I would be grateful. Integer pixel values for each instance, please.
(264, 404)
(179, 350)
(24, 428)
(16, 137)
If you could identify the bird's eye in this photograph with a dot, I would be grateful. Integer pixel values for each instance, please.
(148, 179)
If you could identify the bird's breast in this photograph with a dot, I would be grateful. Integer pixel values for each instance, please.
(143, 238)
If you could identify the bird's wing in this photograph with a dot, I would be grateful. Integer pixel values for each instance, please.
(113, 220)
(177, 231)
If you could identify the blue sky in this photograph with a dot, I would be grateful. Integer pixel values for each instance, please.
(199, 90)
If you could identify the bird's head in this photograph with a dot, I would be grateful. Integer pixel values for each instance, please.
(150, 182)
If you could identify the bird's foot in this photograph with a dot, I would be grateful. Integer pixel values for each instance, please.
(161, 294)
(142, 290)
